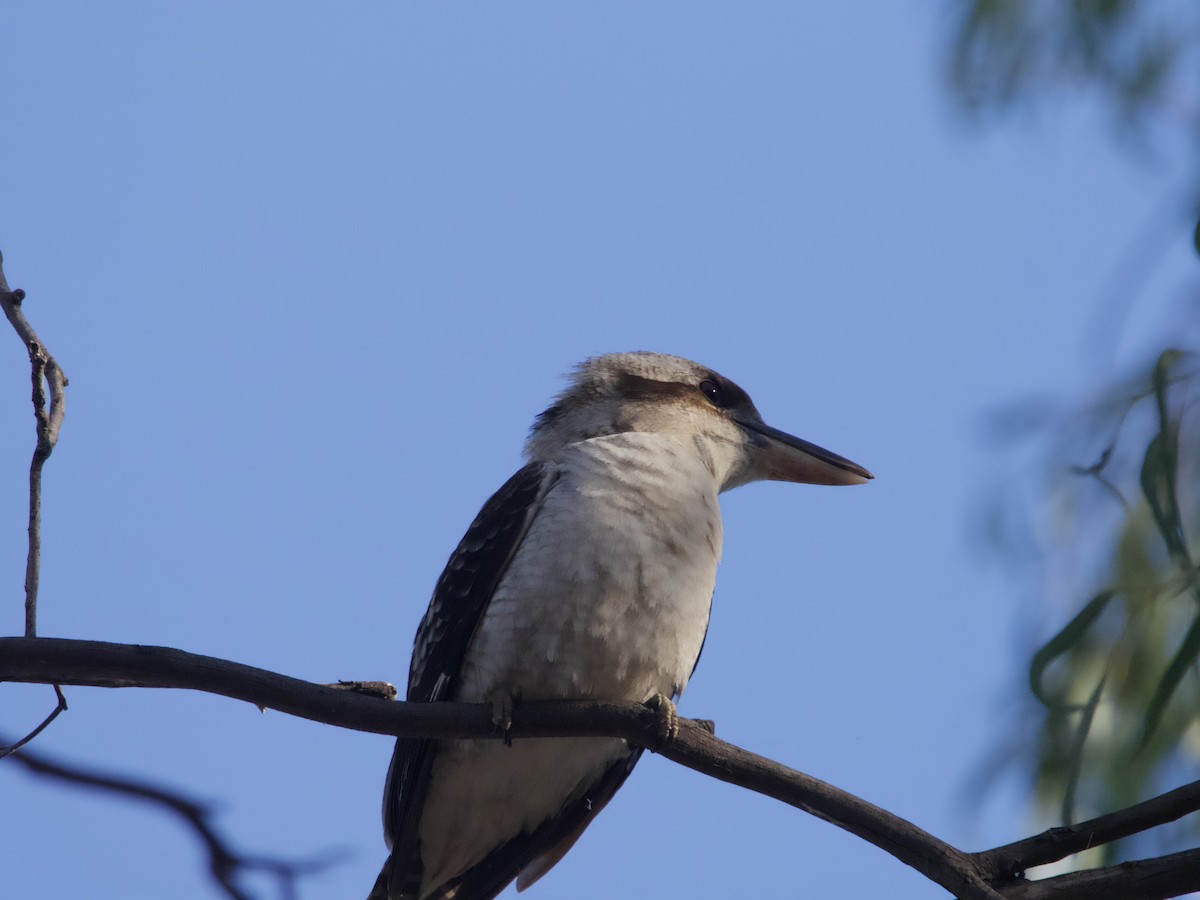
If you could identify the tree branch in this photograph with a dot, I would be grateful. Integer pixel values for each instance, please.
(989, 874)
(224, 863)
(697, 748)
(1059, 843)
(1143, 879)
(60, 707)
(48, 378)
(122, 665)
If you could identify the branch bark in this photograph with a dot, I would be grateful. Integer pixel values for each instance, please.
(988, 874)
(98, 664)
(1143, 879)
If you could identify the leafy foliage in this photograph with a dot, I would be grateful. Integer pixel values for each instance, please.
(1113, 542)
(1119, 681)
(1134, 55)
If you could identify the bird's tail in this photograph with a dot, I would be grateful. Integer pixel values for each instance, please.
(394, 885)
(380, 891)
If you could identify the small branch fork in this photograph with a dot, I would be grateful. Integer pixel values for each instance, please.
(990, 874)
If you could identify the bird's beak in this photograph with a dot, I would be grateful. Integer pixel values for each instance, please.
(778, 456)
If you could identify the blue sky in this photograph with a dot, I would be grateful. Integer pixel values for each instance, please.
(312, 269)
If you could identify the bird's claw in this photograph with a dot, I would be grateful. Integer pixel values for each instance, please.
(668, 720)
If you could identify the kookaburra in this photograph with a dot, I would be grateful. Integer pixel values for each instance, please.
(589, 575)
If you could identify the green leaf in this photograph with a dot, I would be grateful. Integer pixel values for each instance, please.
(1159, 466)
(1158, 486)
(1075, 756)
(1184, 658)
(1070, 635)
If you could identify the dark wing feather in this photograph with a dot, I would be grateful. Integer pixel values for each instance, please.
(459, 600)
(532, 855)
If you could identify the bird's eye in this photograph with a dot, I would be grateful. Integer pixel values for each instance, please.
(712, 391)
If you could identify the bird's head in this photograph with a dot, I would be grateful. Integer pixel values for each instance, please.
(677, 398)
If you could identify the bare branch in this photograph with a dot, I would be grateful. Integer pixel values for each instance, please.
(1059, 843)
(1143, 879)
(122, 665)
(48, 378)
(698, 749)
(6, 749)
(989, 874)
(225, 864)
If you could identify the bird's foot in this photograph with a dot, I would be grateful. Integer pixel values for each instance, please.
(668, 720)
(502, 710)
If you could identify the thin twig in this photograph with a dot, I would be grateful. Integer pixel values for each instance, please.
(48, 379)
(1059, 843)
(225, 864)
(5, 750)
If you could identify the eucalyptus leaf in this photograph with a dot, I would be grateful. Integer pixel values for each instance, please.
(1075, 759)
(1067, 638)
(1185, 657)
